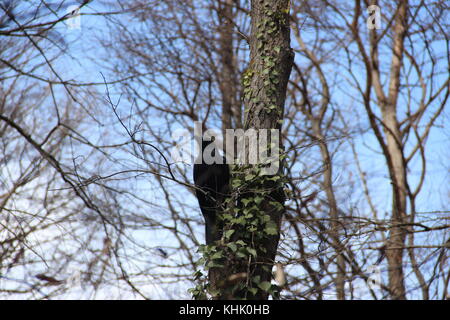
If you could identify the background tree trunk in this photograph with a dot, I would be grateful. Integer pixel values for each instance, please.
(394, 151)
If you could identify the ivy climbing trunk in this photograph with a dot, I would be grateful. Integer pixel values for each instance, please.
(252, 226)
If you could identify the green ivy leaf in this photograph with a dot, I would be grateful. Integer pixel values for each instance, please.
(258, 199)
(236, 183)
(271, 228)
(228, 234)
(217, 255)
(249, 177)
(252, 251)
(214, 264)
(253, 291)
(232, 246)
(265, 286)
(197, 275)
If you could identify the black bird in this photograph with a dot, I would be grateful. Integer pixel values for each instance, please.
(212, 182)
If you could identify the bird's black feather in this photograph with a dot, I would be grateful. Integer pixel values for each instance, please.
(212, 182)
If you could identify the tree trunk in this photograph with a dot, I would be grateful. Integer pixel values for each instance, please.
(265, 83)
(228, 70)
(394, 151)
(396, 241)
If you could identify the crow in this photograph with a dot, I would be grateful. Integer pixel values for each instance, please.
(212, 182)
